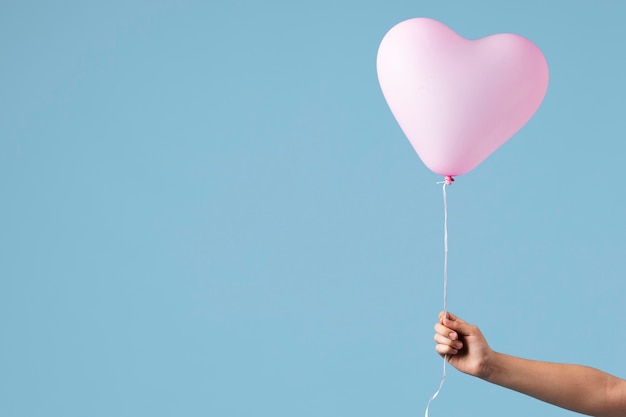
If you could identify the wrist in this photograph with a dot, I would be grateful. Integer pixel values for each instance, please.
(489, 367)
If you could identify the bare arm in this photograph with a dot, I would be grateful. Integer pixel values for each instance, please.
(574, 387)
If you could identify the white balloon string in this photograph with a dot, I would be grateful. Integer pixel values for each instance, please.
(447, 182)
(445, 249)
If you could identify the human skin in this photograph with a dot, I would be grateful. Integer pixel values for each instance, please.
(574, 387)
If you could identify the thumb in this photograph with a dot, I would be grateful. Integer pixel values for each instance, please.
(458, 325)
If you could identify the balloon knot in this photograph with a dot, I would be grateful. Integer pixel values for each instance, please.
(448, 180)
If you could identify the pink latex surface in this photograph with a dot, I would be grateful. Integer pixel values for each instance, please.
(458, 100)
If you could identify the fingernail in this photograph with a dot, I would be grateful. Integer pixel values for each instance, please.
(458, 345)
(452, 335)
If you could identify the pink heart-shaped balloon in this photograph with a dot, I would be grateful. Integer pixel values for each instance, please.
(458, 100)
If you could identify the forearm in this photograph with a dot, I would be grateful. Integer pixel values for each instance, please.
(577, 388)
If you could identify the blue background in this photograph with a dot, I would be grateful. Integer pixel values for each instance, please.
(207, 209)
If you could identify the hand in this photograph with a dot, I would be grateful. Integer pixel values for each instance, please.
(463, 345)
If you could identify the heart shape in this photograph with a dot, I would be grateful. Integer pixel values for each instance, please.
(458, 100)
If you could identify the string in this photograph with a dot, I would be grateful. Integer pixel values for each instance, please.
(446, 182)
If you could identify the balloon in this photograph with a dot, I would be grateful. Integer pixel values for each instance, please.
(458, 100)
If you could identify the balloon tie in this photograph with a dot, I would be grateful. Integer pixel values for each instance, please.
(447, 181)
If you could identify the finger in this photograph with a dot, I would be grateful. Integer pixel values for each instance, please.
(446, 350)
(446, 331)
(442, 340)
